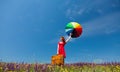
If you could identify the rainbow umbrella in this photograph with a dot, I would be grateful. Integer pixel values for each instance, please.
(74, 28)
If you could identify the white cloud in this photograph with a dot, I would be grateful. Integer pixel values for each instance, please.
(98, 61)
(80, 12)
(81, 8)
(104, 25)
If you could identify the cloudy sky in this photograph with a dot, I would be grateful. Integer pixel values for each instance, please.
(30, 30)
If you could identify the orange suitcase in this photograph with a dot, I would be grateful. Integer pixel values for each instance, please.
(57, 60)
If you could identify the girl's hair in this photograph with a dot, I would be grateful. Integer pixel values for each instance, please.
(62, 38)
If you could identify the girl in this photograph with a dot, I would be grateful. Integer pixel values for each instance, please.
(61, 44)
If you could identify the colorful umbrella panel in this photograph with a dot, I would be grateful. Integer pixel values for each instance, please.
(74, 28)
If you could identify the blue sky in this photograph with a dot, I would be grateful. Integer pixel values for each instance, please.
(30, 30)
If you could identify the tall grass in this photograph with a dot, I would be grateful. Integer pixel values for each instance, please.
(75, 67)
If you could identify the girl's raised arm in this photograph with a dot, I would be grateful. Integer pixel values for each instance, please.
(68, 38)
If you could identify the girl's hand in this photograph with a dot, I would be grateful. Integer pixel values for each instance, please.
(71, 34)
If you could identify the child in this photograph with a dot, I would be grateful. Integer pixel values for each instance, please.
(61, 44)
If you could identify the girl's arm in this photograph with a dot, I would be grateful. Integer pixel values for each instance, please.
(57, 48)
(68, 38)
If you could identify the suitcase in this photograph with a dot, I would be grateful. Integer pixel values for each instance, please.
(57, 60)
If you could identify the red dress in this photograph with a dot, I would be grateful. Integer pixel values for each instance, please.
(61, 49)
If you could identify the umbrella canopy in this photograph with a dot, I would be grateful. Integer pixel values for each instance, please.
(74, 28)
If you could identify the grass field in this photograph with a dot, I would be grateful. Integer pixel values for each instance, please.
(75, 67)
